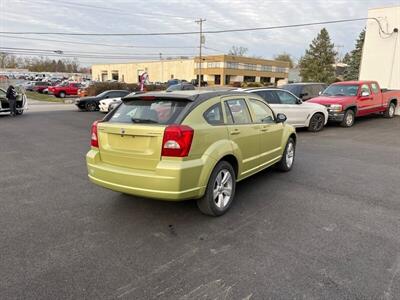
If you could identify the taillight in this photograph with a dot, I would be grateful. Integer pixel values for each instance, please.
(177, 140)
(94, 141)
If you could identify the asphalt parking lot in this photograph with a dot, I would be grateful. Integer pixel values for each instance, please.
(329, 229)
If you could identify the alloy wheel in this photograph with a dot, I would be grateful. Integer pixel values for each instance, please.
(222, 191)
(289, 155)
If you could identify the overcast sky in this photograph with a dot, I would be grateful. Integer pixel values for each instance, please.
(124, 16)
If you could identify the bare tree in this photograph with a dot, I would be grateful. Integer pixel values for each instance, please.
(238, 51)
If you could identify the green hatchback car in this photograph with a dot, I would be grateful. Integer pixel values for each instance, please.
(188, 145)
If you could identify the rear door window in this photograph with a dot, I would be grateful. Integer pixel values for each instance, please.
(286, 98)
(270, 96)
(159, 111)
(239, 112)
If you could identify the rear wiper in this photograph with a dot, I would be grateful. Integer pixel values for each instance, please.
(138, 120)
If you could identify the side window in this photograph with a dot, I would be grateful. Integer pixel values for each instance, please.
(213, 115)
(269, 96)
(239, 111)
(375, 88)
(286, 98)
(262, 112)
(365, 88)
(307, 89)
(2, 94)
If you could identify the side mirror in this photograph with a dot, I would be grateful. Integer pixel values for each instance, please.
(299, 101)
(364, 94)
(280, 118)
(320, 93)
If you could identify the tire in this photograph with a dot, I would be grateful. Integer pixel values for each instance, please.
(317, 122)
(218, 197)
(287, 161)
(91, 106)
(348, 119)
(61, 95)
(389, 112)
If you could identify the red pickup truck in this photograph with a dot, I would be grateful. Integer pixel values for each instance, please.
(349, 99)
(64, 89)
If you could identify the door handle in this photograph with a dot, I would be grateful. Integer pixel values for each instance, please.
(235, 131)
(264, 129)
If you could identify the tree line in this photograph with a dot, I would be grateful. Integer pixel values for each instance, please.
(40, 64)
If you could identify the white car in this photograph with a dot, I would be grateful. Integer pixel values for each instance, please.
(104, 104)
(299, 114)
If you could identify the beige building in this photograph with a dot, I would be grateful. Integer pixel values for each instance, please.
(381, 51)
(216, 69)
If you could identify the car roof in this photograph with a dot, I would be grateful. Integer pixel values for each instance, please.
(191, 95)
(305, 83)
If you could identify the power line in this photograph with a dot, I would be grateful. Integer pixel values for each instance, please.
(99, 44)
(109, 9)
(87, 52)
(196, 32)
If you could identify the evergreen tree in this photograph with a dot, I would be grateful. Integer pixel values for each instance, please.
(354, 62)
(317, 63)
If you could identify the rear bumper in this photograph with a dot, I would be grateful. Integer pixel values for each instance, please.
(171, 180)
(336, 116)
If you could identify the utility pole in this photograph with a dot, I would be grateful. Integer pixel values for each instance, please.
(162, 69)
(202, 40)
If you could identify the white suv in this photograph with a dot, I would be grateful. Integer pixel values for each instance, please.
(299, 114)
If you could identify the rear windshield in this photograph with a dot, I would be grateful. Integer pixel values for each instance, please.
(145, 111)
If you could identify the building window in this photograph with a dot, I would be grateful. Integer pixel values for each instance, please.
(115, 75)
(266, 68)
(213, 65)
(265, 79)
(251, 67)
(104, 76)
(249, 78)
(232, 65)
(281, 70)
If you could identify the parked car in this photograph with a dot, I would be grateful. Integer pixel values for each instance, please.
(195, 82)
(21, 102)
(349, 99)
(104, 105)
(306, 90)
(64, 89)
(92, 103)
(28, 86)
(181, 87)
(188, 145)
(40, 86)
(173, 82)
(298, 113)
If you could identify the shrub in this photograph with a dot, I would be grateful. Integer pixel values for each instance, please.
(237, 84)
(251, 84)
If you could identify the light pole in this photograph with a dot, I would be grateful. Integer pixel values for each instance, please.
(202, 40)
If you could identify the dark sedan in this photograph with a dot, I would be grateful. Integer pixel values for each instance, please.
(305, 91)
(92, 103)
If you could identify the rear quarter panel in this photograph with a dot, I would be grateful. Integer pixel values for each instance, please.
(210, 142)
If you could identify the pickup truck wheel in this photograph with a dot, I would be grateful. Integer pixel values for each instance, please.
(61, 94)
(389, 112)
(317, 122)
(348, 119)
(220, 190)
(91, 106)
(286, 163)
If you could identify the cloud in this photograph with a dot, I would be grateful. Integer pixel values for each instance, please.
(149, 16)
